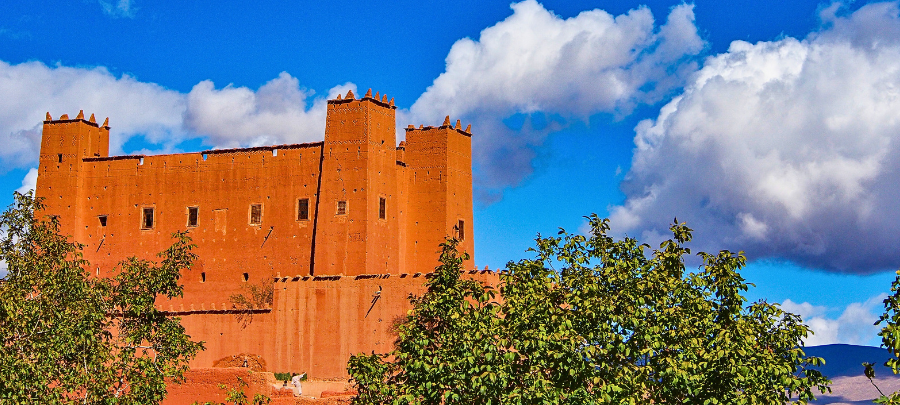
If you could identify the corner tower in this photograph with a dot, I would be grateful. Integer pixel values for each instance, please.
(439, 165)
(64, 143)
(356, 225)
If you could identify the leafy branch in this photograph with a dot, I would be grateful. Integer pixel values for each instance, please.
(252, 297)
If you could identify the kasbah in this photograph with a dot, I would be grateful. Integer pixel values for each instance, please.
(343, 231)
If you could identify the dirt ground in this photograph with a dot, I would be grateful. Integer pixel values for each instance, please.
(857, 390)
(315, 388)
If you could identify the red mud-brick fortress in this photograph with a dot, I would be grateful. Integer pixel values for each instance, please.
(345, 229)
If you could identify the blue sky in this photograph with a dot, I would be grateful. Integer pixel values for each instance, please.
(769, 126)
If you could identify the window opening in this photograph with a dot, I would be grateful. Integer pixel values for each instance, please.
(202, 277)
(341, 207)
(381, 208)
(193, 216)
(461, 230)
(102, 220)
(246, 277)
(59, 156)
(255, 214)
(147, 222)
(303, 209)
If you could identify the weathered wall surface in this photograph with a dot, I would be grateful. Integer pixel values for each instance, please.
(315, 324)
(321, 323)
(222, 185)
(439, 165)
(359, 169)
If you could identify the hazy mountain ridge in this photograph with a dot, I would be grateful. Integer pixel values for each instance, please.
(843, 364)
(842, 360)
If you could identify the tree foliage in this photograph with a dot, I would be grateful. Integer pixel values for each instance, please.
(237, 396)
(890, 338)
(593, 320)
(71, 338)
(253, 297)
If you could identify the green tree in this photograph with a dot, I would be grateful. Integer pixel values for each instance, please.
(890, 338)
(70, 338)
(593, 320)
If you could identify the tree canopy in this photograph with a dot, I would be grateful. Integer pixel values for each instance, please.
(68, 337)
(593, 320)
(890, 338)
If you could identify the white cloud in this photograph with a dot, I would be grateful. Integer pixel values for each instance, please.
(855, 325)
(278, 112)
(29, 181)
(805, 310)
(275, 113)
(120, 8)
(786, 149)
(536, 62)
(31, 89)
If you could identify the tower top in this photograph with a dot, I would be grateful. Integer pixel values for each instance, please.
(378, 99)
(446, 125)
(78, 118)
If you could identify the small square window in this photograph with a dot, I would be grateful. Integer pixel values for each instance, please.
(102, 220)
(255, 214)
(193, 216)
(147, 220)
(382, 214)
(246, 277)
(303, 209)
(461, 230)
(342, 208)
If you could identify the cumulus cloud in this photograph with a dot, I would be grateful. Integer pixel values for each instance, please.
(31, 89)
(535, 62)
(29, 181)
(855, 324)
(278, 112)
(787, 149)
(120, 8)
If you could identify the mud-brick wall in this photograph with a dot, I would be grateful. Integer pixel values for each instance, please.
(224, 335)
(222, 186)
(316, 323)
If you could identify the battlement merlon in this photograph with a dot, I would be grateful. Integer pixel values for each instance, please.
(80, 118)
(446, 125)
(377, 99)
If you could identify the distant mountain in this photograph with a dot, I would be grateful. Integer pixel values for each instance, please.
(846, 360)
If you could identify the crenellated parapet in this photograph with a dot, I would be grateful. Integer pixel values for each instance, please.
(445, 125)
(378, 99)
(64, 119)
